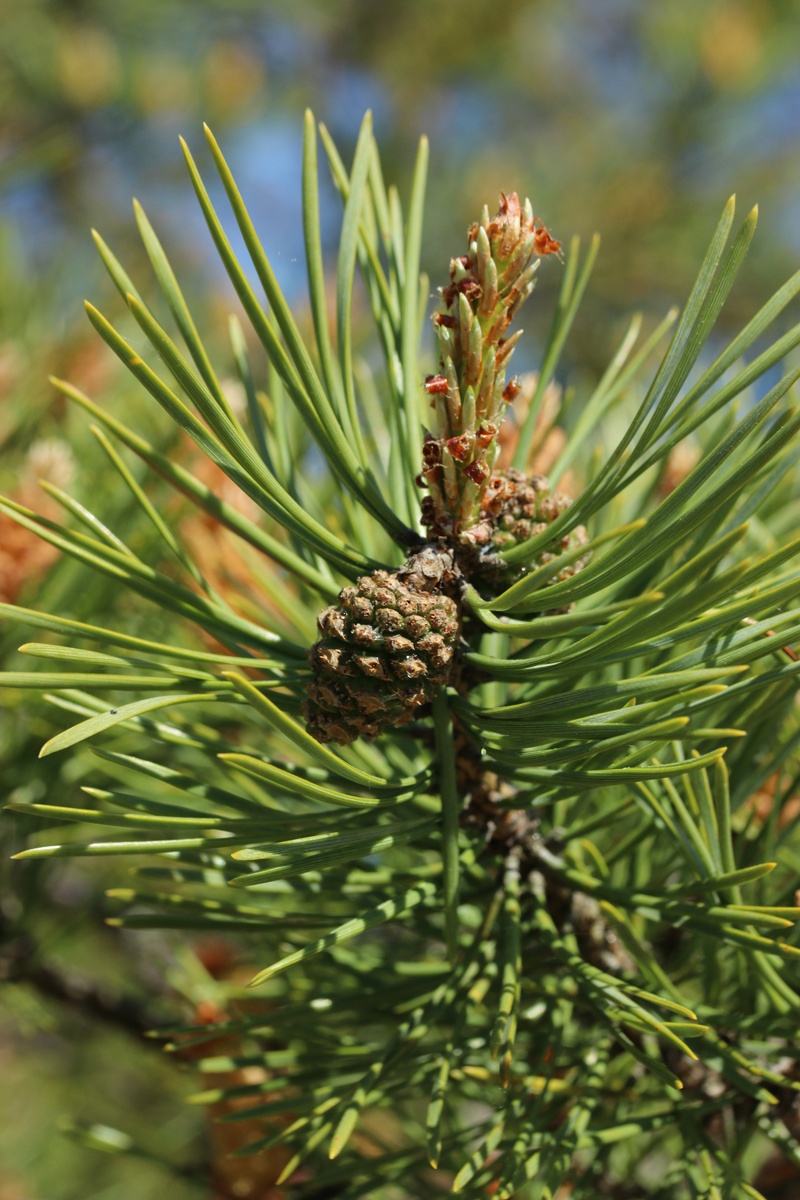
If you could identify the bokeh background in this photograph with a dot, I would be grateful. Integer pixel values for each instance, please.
(631, 118)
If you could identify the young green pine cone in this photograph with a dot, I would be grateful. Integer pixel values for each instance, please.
(383, 650)
(469, 396)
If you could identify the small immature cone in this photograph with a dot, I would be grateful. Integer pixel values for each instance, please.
(514, 508)
(383, 650)
(470, 395)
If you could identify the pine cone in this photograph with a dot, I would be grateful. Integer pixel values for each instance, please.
(383, 650)
(514, 508)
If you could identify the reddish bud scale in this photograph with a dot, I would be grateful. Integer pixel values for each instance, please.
(477, 471)
(436, 385)
(544, 243)
(461, 447)
(512, 389)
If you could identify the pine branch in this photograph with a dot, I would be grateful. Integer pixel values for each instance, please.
(515, 840)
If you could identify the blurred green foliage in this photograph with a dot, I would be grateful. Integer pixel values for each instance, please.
(634, 119)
